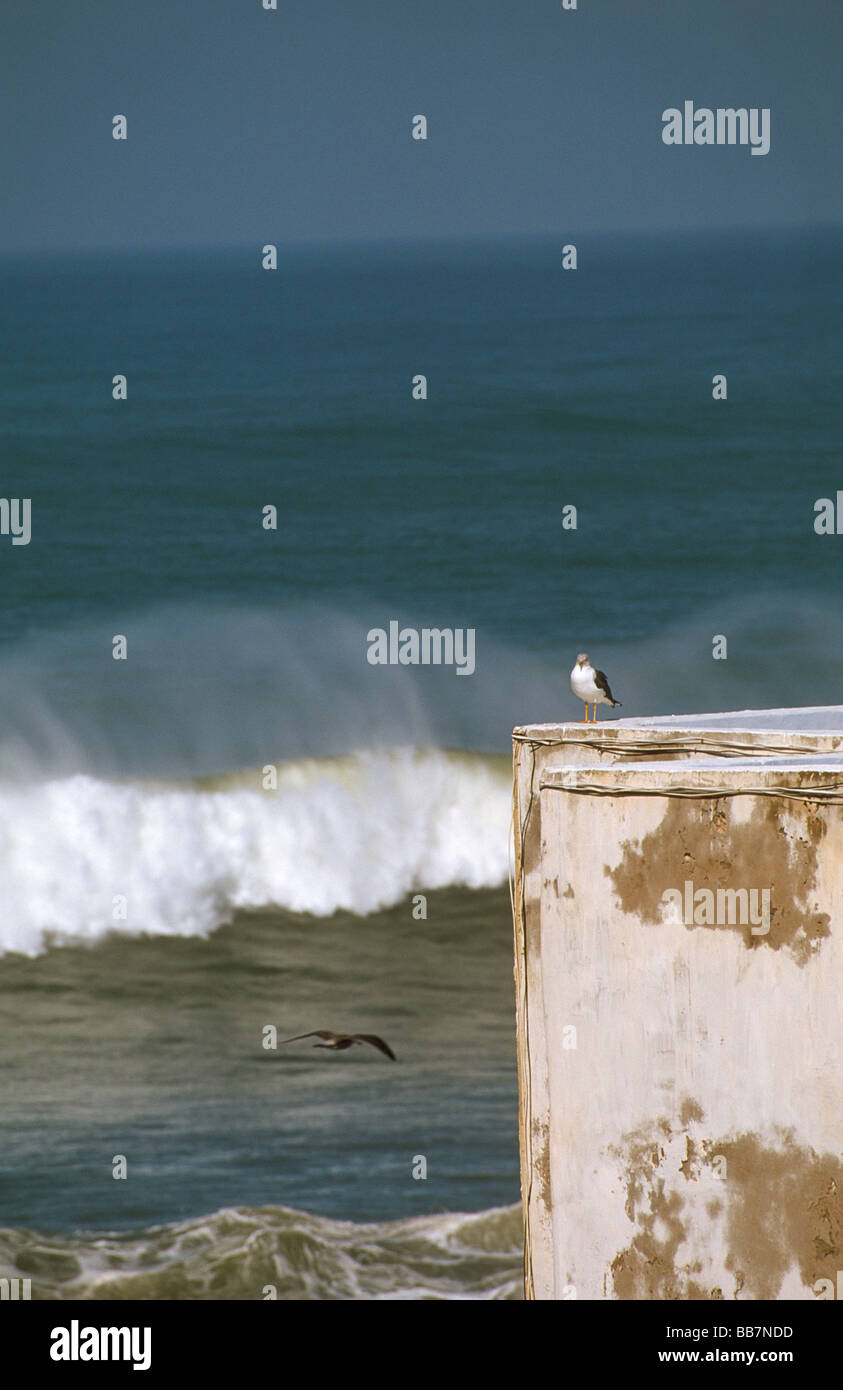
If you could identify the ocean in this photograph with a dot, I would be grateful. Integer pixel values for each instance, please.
(245, 825)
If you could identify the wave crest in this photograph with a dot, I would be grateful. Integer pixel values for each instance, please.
(354, 833)
(240, 1253)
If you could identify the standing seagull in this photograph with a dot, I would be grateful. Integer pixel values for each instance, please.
(338, 1042)
(591, 686)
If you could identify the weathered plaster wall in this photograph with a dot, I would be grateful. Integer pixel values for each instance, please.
(680, 1082)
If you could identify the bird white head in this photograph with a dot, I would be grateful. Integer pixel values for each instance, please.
(582, 659)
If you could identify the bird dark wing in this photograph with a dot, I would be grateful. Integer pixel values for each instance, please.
(320, 1033)
(602, 684)
(376, 1042)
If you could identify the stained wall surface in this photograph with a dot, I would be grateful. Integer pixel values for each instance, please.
(678, 973)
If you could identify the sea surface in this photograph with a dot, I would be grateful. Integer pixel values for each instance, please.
(245, 825)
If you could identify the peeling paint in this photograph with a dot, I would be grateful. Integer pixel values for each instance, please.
(774, 847)
(690, 1147)
(541, 1160)
(785, 1207)
(781, 1209)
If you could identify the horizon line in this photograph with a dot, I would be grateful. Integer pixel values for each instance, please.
(448, 238)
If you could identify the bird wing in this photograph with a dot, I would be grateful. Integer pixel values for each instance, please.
(319, 1033)
(376, 1042)
(602, 684)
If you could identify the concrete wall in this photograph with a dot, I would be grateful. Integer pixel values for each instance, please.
(681, 1126)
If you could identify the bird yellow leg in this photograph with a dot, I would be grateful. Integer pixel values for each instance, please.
(595, 714)
(586, 720)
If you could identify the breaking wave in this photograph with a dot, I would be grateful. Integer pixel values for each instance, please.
(81, 856)
(251, 1252)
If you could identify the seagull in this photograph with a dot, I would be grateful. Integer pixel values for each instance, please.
(591, 686)
(338, 1042)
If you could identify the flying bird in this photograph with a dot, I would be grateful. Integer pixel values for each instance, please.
(338, 1042)
(591, 686)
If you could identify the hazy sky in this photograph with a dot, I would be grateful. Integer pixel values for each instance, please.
(250, 125)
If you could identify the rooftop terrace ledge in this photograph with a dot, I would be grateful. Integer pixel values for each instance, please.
(820, 719)
(809, 732)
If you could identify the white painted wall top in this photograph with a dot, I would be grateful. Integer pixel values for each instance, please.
(825, 718)
(826, 762)
(814, 718)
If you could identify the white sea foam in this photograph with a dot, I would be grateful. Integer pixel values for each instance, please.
(357, 832)
(260, 1252)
